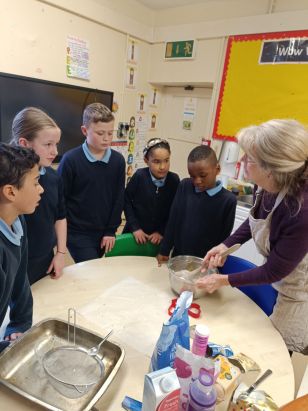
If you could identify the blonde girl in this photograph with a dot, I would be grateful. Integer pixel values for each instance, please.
(46, 227)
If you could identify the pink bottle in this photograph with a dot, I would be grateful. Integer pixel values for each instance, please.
(200, 340)
(184, 373)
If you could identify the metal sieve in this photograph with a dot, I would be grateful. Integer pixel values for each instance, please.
(72, 370)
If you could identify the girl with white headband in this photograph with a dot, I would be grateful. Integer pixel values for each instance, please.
(149, 194)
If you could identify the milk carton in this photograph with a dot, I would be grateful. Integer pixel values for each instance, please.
(161, 391)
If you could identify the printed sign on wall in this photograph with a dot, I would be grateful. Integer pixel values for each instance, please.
(190, 107)
(291, 51)
(154, 98)
(180, 49)
(77, 58)
(132, 51)
(131, 77)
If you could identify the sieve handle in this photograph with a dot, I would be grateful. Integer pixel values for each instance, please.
(71, 313)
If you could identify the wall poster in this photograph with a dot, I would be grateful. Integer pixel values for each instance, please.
(77, 58)
(265, 76)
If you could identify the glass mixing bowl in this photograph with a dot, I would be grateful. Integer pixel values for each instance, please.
(183, 275)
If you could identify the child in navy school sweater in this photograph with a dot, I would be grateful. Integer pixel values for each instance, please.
(203, 212)
(149, 194)
(93, 177)
(46, 227)
(20, 193)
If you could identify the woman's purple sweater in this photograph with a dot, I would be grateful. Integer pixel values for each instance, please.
(288, 240)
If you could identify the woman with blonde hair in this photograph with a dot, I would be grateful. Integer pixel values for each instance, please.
(276, 159)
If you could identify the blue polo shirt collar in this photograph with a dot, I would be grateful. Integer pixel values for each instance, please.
(158, 182)
(13, 234)
(42, 171)
(91, 158)
(212, 191)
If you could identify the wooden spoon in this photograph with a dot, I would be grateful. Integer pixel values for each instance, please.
(225, 253)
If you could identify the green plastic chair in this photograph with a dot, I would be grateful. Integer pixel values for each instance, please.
(126, 244)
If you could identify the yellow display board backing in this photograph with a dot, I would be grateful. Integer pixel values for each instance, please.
(252, 93)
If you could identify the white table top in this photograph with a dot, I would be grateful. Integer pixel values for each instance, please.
(132, 295)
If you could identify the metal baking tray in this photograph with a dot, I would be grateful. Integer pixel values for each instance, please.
(21, 369)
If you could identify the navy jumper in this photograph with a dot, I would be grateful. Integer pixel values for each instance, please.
(41, 225)
(94, 195)
(146, 206)
(198, 221)
(14, 284)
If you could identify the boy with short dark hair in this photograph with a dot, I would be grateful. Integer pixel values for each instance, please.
(93, 178)
(203, 212)
(20, 193)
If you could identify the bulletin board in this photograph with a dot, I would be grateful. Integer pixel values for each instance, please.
(257, 87)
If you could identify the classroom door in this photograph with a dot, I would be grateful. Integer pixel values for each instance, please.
(183, 137)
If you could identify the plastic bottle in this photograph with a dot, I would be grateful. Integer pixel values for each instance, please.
(200, 340)
(184, 372)
(202, 393)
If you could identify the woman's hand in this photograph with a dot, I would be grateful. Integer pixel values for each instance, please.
(212, 282)
(155, 238)
(161, 259)
(213, 258)
(140, 236)
(107, 242)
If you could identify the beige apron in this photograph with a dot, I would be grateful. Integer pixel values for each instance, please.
(290, 315)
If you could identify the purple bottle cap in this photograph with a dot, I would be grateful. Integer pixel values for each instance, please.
(203, 395)
(205, 378)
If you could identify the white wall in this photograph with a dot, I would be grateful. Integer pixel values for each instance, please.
(210, 11)
(33, 43)
(126, 16)
(201, 70)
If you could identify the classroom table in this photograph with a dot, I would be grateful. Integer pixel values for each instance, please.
(132, 295)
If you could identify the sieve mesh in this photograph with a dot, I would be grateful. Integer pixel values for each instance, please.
(72, 369)
(73, 366)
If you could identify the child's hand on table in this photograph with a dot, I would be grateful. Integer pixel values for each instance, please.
(107, 242)
(55, 269)
(161, 259)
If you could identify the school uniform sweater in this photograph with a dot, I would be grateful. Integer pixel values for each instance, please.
(288, 240)
(94, 195)
(14, 285)
(147, 206)
(41, 224)
(198, 221)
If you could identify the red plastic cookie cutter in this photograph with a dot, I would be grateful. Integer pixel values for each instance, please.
(193, 311)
